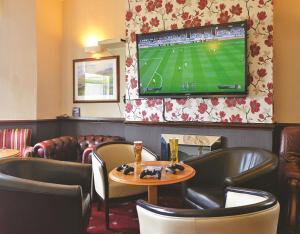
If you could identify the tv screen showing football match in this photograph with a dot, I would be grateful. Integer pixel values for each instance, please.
(209, 60)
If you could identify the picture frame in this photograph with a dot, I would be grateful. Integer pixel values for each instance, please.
(96, 80)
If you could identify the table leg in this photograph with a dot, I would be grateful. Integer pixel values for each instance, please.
(152, 194)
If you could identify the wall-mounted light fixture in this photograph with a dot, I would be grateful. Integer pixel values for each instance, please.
(112, 43)
(104, 45)
(92, 49)
(91, 45)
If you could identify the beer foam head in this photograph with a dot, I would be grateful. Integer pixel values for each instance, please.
(137, 142)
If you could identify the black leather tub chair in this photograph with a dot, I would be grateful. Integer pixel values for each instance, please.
(242, 167)
(44, 196)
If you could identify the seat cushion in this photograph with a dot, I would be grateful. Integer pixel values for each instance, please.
(205, 197)
(117, 190)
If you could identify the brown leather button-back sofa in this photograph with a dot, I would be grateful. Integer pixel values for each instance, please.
(68, 148)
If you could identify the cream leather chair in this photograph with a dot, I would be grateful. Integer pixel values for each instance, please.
(245, 212)
(108, 156)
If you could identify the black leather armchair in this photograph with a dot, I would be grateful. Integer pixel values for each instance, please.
(242, 167)
(44, 196)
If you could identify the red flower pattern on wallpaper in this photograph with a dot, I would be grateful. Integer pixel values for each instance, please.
(269, 98)
(132, 37)
(202, 108)
(133, 83)
(269, 41)
(151, 102)
(145, 28)
(181, 101)
(231, 102)
(214, 101)
(169, 106)
(180, 1)
(169, 7)
(138, 102)
(222, 6)
(261, 72)
(154, 22)
(236, 10)
(236, 118)
(185, 117)
(129, 15)
(254, 105)
(138, 8)
(185, 16)
(241, 101)
(202, 4)
(249, 23)
(174, 26)
(128, 107)
(224, 17)
(222, 114)
(262, 15)
(129, 61)
(150, 6)
(154, 117)
(145, 16)
(255, 49)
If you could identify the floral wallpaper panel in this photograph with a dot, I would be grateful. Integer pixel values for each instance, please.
(145, 16)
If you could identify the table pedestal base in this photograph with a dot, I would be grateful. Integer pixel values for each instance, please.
(152, 194)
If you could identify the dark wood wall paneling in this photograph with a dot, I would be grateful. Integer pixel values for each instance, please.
(265, 136)
(231, 137)
(256, 135)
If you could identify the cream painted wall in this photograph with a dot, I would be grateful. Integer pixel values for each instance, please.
(18, 60)
(81, 19)
(286, 61)
(49, 49)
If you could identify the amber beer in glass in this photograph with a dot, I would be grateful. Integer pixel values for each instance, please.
(173, 150)
(138, 147)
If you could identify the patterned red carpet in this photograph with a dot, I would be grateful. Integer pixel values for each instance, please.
(123, 216)
(123, 219)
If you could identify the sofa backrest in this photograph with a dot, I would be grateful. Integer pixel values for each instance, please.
(63, 148)
(86, 141)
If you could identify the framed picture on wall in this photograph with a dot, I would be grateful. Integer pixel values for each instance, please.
(96, 80)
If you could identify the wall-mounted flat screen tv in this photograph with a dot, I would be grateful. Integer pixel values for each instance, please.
(204, 61)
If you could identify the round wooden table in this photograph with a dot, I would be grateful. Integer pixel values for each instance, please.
(152, 183)
(9, 153)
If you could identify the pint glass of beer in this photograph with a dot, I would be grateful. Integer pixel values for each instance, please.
(173, 150)
(138, 147)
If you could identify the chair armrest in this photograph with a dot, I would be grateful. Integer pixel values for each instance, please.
(27, 152)
(86, 155)
(11, 183)
(251, 174)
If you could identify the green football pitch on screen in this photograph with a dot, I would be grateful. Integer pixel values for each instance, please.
(201, 67)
